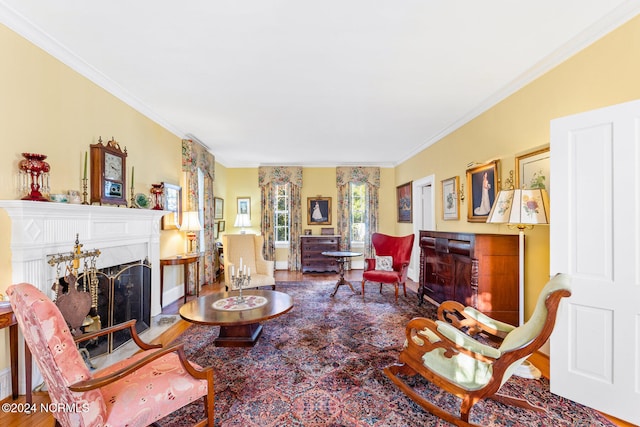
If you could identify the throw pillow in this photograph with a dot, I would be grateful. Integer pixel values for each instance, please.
(384, 263)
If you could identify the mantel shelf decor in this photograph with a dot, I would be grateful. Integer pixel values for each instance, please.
(34, 173)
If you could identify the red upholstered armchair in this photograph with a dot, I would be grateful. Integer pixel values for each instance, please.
(383, 269)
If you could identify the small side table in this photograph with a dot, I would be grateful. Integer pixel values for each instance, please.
(342, 257)
(183, 260)
(8, 319)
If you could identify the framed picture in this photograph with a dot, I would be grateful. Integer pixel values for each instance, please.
(319, 210)
(172, 203)
(216, 231)
(218, 208)
(403, 197)
(221, 225)
(244, 206)
(482, 182)
(451, 199)
(307, 232)
(533, 170)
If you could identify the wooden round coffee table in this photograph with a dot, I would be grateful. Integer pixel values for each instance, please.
(238, 328)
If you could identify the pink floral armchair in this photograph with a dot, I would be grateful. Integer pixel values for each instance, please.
(135, 392)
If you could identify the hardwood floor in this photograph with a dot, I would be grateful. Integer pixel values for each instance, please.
(45, 419)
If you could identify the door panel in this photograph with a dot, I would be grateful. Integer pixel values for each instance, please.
(595, 215)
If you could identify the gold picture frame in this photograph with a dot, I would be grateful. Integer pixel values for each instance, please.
(173, 203)
(319, 210)
(533, 169)
(482, 185)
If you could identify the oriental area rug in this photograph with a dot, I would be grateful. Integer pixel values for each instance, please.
(321, 365)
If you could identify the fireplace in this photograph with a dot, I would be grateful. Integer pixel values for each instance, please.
(123, 293)
(41, 229)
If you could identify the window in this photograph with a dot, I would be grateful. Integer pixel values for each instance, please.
(358, 203)
(281, 215)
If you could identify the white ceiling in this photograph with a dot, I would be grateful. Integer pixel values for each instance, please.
(313, 83)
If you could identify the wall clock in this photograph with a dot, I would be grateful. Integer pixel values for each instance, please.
(108, 173)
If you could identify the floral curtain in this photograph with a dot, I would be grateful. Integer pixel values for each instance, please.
(196, 157)
(369, 176)
(268, 178)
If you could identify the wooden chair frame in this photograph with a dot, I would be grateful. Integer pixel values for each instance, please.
(411, 363)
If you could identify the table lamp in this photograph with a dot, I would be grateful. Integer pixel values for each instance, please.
(190, 224)
(521, 209)
(242, 220)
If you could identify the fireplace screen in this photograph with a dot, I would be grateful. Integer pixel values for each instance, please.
(124, 293)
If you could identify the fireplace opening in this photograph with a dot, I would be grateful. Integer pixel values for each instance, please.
(123, 293)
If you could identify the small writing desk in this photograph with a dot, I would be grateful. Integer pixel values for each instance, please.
(183, 260)
(8, 319)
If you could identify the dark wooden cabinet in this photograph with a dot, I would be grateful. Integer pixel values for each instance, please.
(311, 248)
(478, 270)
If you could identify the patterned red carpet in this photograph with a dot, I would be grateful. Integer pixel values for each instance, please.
(321, 365)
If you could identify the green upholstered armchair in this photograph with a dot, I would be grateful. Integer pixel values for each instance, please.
(456, 362)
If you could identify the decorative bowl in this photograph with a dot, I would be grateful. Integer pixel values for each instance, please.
(60, 198)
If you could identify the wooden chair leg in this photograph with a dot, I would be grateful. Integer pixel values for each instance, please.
(363, 288)
(396, 286)
(404, 286)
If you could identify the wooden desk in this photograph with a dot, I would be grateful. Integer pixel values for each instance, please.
(183, 260)
(8, 319)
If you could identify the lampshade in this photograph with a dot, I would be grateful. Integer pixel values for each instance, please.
(190, 222)
(242, 220)
(520, 207)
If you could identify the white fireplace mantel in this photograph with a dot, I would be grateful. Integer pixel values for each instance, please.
(40, 229)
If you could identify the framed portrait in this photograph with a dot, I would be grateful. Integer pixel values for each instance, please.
(244, 206)
(451, 199)
(319, 210)
(218, 208)
(221, 225)
(482, 182)
(403, 198)
(533, 170)
(172, 203)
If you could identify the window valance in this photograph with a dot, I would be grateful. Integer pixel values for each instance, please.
(195, 156)
(280, 175)
(357, 175)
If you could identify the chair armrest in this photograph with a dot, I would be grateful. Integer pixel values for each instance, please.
(459, 316)
(98, 382)
(265, 267)
(369, 264)
(131, 324)
(442, 335)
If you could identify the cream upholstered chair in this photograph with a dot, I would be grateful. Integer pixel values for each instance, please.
(454, 361)
(249, 248)
(137, 391)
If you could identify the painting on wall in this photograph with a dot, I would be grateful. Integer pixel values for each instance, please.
(218, 208)
(244, 206)
(482, 182)
(319, 210)
(533, 170)
(403, 197)
(450, 199)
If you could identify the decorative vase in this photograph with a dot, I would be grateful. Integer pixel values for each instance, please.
(156, 191)
(35, 173)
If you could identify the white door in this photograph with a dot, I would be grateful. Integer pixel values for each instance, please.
(595, 237)
(423, 218)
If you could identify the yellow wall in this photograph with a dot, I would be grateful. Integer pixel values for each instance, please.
(48, 108)
(603, 74)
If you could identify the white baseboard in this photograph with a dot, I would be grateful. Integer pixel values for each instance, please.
(172, 295)
(5, 383)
